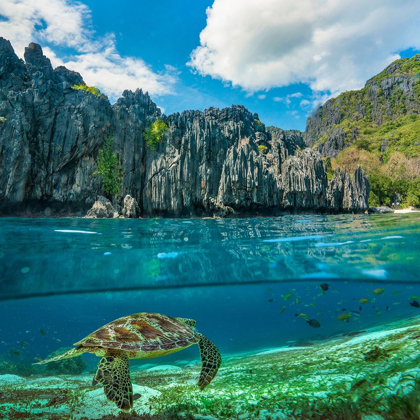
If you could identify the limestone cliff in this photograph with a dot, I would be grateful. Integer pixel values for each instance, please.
(389, 100)
(211, 162)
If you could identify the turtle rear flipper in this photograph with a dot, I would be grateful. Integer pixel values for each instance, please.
(114, 374)
(67, 355)
(210, 359)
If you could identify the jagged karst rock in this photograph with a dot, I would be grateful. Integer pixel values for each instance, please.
(346, 194)
(102, 208)
(131, 208)
(208, 163)
(380, 210)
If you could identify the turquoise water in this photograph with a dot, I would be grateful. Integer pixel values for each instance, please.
(251, 284)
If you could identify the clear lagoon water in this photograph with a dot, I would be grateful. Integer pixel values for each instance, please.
(251, 284)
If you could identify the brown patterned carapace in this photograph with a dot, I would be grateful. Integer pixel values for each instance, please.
(143, 332)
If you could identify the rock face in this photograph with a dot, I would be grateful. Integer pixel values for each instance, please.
(221, 162)
(393, 93)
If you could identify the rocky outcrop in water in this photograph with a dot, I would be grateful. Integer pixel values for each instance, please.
(131, 208)
(102, 209)
(221, 162)
(380, 210)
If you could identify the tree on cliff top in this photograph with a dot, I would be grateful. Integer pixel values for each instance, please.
(109, 168)
(154, 133)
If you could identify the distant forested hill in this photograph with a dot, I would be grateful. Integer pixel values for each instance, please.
(377, 127)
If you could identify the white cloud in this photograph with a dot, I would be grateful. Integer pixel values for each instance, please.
(305, 102)
(287, 99)
(262, 96)
(332, 45)
(295, 95)
(66, 24)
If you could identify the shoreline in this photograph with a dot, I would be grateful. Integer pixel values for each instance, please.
(405, 211)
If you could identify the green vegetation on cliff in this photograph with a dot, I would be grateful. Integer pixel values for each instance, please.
(378, 128)
(401, 67)
(91, 89)
(109, 168)
(154, 133)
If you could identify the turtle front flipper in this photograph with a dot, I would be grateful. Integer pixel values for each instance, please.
(114, 374)
(210, 360)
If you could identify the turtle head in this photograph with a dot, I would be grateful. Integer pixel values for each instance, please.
(188, 322)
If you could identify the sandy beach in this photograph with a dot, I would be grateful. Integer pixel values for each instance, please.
(407, 211)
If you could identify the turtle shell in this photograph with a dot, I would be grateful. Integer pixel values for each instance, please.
(142, 332)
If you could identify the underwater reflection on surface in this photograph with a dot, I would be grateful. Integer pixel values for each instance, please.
(50, 256)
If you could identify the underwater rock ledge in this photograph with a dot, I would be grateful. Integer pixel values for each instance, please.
(212, 163)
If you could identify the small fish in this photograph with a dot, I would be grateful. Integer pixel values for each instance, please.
(302, 315)
(396, 292)
(360, 308)
(23, 344)
(363, 300)
(136, 396)
(38, 359)
(287, 296)
(42, 332)
(344, 310)
(297, 301)
(344, 317)
(387, 308)
(14, 352)
(271, 300)
(312, 304)
(414, 297)
(282, 309)
(379, 291)
(356, 313)
(313, 323)
(324, 286)
(415, 304)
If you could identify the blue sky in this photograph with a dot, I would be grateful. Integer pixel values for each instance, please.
(279, 59)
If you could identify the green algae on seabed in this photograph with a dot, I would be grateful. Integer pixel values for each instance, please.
(375, 373)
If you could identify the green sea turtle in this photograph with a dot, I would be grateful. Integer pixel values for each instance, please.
(141, 336)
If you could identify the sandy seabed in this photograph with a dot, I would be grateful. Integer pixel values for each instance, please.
(373, 374)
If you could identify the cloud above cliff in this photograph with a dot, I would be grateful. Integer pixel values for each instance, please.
(331, 45)
(64, 29)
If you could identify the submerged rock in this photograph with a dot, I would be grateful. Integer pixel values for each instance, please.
(102, 208)
(10, 379)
